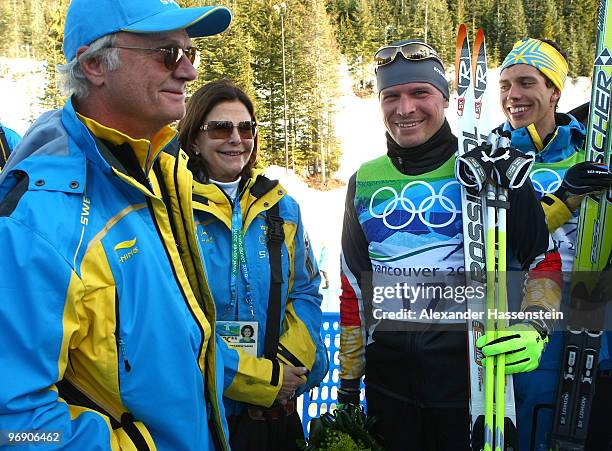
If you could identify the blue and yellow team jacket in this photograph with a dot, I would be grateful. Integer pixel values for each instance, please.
(103, 295)
(250, 379)
(536, 391)
(552, 159)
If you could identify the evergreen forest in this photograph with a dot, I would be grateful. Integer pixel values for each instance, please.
(316, 35)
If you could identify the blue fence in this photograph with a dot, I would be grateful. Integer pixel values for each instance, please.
(323, 398)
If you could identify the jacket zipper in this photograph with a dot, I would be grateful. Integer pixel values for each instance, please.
(121, 348)
(217, 434)
(220, 444)
(167, 202)
(99, 406)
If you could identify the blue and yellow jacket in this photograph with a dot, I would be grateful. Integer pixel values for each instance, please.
(106, 320)
(536, 391)
(250, 379)
(553, 157)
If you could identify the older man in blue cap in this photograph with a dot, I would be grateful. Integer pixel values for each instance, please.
(106, 320)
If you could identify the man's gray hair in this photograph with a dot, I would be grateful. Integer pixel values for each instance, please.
(73, 81)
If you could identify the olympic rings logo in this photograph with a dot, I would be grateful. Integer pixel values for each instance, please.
(409, 206)
(539, 182)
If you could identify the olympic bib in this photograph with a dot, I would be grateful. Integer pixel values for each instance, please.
(414, 229)
(421, 201)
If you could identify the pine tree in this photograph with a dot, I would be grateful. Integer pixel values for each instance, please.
(14, 33)
(268, 81)
(5, 23)
(578, 40)
(361, 51)
(511, 31)
(535, 10)
(440, 33)
(227, 55)
(551, 21)
(323, 88)
(55, 16)
(342, 13)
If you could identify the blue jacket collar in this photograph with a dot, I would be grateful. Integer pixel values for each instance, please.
(47, 154)
(55, 149)
(568, 138)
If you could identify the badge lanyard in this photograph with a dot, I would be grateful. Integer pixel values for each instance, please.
(239, 262)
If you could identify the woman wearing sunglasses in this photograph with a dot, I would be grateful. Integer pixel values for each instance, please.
(260, 270)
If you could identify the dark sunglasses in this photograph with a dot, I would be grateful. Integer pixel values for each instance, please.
(413, 51)
(172, 54)
(224, 129)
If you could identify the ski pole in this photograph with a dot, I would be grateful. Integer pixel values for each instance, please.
(489, 323)
(500, 376)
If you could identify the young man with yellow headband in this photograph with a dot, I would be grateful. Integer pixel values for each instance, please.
(532, 78)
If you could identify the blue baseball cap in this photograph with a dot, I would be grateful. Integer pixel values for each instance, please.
(88, 20)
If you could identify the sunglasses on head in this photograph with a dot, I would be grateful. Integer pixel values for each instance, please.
(413, 51)
(224, 129)
(172, 54)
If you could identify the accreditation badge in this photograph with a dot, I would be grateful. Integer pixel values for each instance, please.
(239, 335)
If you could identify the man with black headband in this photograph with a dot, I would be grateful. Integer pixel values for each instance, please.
(402, 237)
(531, 81)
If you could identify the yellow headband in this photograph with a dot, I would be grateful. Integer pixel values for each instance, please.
(540, 55)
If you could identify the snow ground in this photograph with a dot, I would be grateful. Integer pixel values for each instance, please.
(359, 128)
(22, 83)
